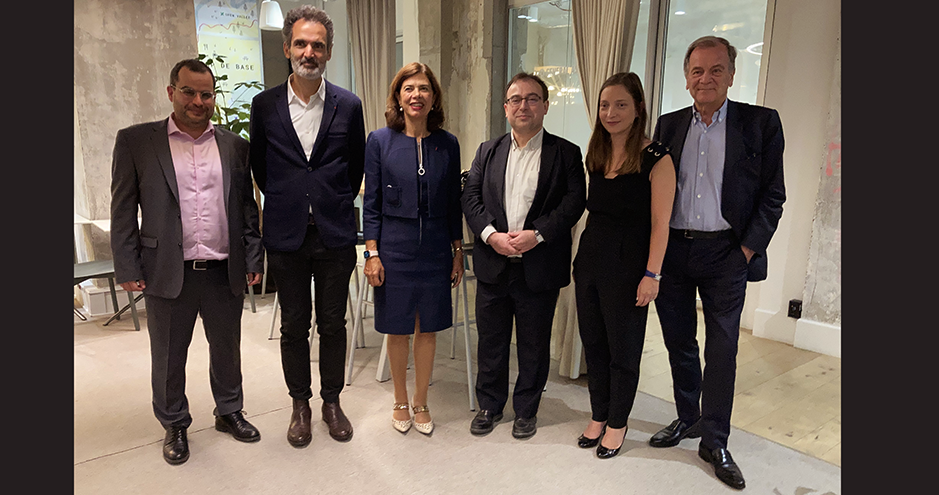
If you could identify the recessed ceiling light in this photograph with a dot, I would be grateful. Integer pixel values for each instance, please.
(679, 12)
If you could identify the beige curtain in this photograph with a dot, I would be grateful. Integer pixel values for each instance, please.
(372, 27)
(604, 35)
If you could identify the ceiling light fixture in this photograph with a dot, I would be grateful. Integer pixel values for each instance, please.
(272, 18)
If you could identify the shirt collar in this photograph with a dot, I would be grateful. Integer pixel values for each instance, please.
(533, 143)
(320, 93)
(718, 116)
(172, 128)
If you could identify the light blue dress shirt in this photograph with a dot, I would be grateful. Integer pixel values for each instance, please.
(701, 175)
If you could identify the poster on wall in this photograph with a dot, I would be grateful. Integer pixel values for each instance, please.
(230, 28)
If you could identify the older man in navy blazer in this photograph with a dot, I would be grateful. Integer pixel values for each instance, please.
(729, 201)
(308, 154)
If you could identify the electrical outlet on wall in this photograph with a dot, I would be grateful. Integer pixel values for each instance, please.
(795, 308)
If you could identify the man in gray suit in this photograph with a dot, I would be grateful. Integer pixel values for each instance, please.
(197, 238)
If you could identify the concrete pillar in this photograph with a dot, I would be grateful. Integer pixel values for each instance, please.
(124, 51)
(801, 66)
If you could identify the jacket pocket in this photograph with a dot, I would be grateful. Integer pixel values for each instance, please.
(149, 242)
(392, 195)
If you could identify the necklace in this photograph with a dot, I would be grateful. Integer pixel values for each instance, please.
(420, 158)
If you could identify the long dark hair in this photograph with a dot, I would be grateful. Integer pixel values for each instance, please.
(394, 115)
(600, 147)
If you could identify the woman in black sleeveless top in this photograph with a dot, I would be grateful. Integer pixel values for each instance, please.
(616, 271)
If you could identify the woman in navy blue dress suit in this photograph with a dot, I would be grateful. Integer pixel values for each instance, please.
(413, 229)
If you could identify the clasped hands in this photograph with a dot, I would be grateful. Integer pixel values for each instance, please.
(512, 243)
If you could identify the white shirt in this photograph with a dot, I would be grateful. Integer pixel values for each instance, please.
(521, 181)
(306, 117)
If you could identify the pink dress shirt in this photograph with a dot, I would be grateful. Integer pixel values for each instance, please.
(201, 193)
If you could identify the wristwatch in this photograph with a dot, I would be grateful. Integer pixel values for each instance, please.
(369, 254)
(538, 236)
(656, 276)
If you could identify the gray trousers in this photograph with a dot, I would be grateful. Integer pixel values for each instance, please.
(170, 322)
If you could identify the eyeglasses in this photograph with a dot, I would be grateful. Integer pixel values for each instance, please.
(191, 93)
(515, 101)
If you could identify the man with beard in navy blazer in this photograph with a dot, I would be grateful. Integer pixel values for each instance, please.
(727, 206)
(307, 155)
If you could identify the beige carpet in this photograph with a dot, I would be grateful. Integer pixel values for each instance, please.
(118, 441)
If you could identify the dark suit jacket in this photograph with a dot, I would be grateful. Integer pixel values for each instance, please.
(142, 173)
(391, 182)
(329, 181)
(753, 189)
(559, 202)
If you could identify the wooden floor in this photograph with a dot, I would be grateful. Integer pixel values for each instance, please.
(787, 395)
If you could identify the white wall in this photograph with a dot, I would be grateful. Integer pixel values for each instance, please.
(803, 50)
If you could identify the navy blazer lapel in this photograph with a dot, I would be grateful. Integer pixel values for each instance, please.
(283, 112)
(223, 141)
(549, 154)
(496, 178)
(735, 149)
(330, 106)
(682, 125)
(161, 145)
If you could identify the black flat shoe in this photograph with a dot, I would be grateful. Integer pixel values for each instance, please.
(484, 422)
(176, 445)
(239, 427)
(674, 433)
(589, 443)
(605, 453)
(725, 468)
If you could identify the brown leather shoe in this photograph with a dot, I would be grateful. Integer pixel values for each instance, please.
(339, 426)
(298, 433)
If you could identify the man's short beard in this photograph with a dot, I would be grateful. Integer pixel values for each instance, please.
(305, 73)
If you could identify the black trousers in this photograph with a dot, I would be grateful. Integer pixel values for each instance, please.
(330, 270)
(612, 329)
(717, 269)
(533, 312)
(170, 323)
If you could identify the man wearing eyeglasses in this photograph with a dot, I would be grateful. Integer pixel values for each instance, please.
(196, 240)
(525, 192)
(308, 158)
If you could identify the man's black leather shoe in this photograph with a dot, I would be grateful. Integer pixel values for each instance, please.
(236, 424)
(176, 445)
(484, 422)
(673, 433)
(724, 466)
(524, 427)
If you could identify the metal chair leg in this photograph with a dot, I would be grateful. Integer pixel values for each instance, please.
(456, 309)
(113, 295)
(469, 357)
(273, 317)
(133, 309)
(356, 327)
(264, 277)
(384, 367)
